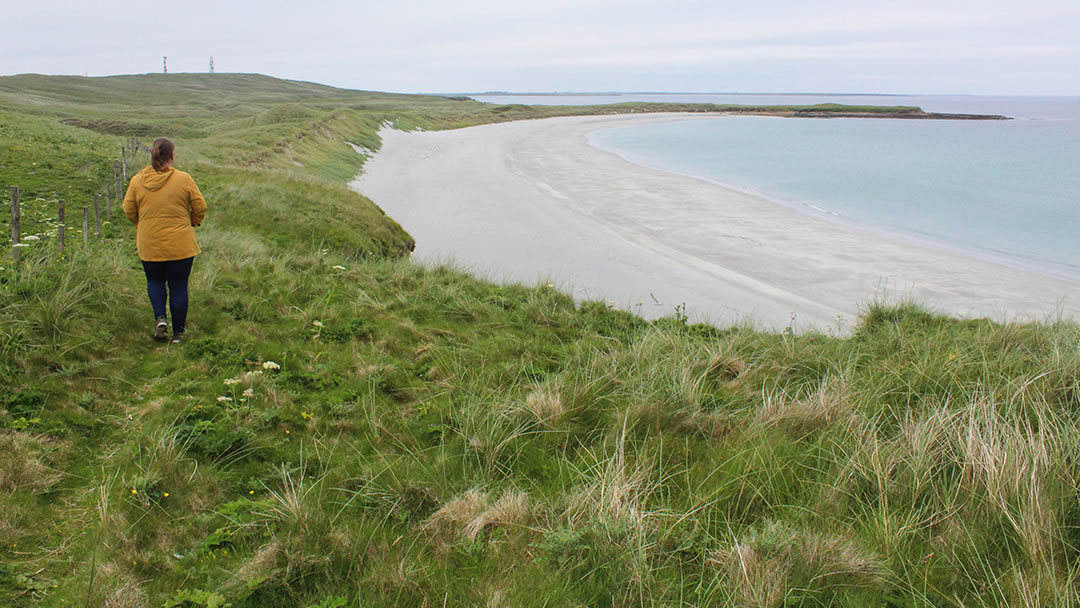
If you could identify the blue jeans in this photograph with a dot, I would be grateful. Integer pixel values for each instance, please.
(174, 274)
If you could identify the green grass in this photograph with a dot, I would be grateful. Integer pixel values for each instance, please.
(434, 439)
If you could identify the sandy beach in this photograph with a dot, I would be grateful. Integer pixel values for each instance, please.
(532, 201)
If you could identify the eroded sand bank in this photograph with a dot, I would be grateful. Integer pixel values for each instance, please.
(533, 201)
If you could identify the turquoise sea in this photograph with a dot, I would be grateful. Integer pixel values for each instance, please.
(1007, 190)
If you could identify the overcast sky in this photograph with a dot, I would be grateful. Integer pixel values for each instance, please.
(915, 46)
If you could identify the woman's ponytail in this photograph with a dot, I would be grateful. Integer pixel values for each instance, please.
(161, 153)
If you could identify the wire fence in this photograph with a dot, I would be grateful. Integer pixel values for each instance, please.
(112, 190)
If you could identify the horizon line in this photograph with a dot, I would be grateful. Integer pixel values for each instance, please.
(554, 93)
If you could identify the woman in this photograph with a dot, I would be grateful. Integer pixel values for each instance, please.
(165, 205)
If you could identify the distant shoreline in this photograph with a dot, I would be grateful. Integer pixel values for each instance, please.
(916, 114)
(676, 93)
(659, 93)
(819, 110)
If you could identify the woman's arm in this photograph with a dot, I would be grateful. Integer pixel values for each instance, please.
(131, 208)
(197, 203)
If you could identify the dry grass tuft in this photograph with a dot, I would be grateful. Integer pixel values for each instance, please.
(713, 425)
(804, 416)
(262, 566)
(473, 512)
(21, 465)
(545, 406)
(725, 368)
(127, 595)
(459, 511)
(767, 565)
(279, 564)
(512, 508)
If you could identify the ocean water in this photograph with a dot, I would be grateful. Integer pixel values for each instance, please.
(1007, 190)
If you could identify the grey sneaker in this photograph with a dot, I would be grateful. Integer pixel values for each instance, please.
(161, 330)
(178, 338)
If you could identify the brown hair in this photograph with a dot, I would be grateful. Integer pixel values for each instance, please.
(162, 153)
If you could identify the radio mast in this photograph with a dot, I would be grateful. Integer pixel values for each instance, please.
(211, 64)
(165, 64)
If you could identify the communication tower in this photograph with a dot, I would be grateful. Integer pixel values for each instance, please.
(165, 64)
(211, 64)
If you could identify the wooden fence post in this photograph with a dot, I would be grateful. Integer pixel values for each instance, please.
(116, 178)
(15, 236)
(108, 204)
(97, 214)
(85, 225)
(61, 226)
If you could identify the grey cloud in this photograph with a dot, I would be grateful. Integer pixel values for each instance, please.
(423, 45)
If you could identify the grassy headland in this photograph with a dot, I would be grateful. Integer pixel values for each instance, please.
(425, 438)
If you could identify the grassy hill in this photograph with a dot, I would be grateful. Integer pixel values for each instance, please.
(348, 428)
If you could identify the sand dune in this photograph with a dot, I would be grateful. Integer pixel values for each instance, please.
(533, 201)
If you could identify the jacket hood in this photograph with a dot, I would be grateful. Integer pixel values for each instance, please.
(153, 180)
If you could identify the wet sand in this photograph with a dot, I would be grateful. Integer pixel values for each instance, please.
(532, 201)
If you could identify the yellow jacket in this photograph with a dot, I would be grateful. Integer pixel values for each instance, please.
(165, 207)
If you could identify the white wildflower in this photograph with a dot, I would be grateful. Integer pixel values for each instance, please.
(22, 245)
(232, 381)
(224, 399)
(271, 366)
(248, 392)
(338, 267)
(31, 237)
(317, 323)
